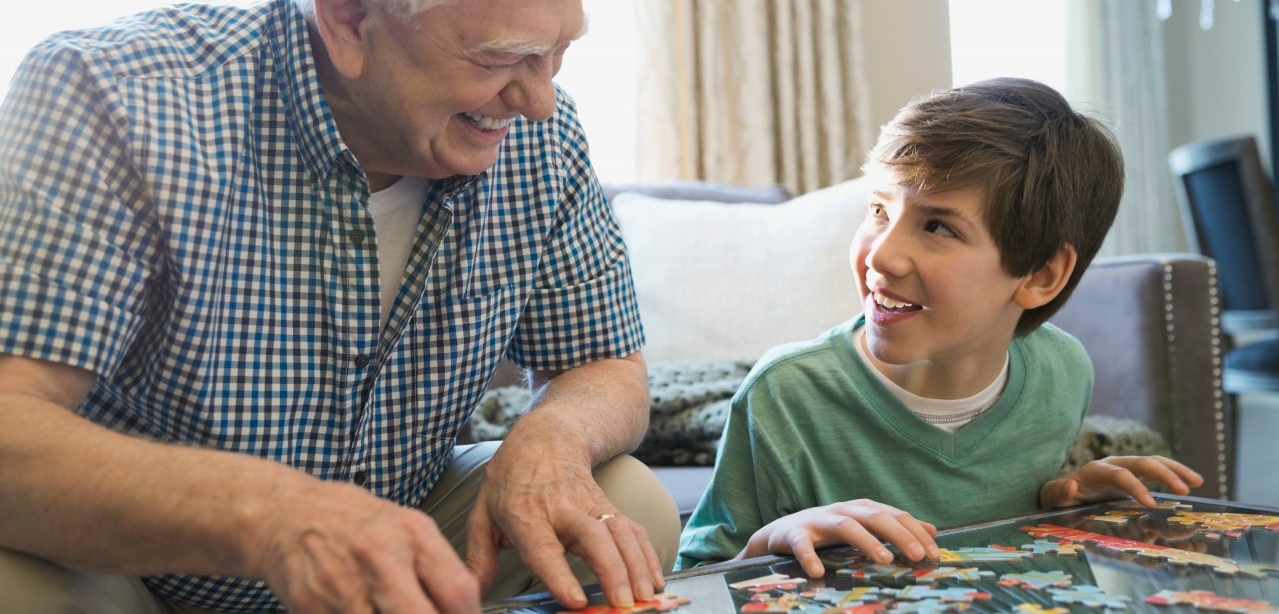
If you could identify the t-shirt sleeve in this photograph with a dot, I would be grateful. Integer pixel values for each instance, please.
(744, 493)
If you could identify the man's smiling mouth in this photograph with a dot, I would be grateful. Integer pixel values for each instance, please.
(487, 123)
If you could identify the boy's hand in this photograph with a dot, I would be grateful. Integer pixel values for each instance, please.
(1115, 476)
(861, 524)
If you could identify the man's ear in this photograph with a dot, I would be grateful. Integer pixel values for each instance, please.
(340, 24)
(1042, 286)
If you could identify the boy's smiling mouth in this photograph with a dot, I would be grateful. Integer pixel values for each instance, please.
(892, 305)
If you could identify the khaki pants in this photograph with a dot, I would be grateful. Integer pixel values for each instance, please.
(29, 585)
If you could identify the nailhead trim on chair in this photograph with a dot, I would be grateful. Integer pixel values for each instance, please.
(1218, 403)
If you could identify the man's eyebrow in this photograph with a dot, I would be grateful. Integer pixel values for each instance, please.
(514, 46)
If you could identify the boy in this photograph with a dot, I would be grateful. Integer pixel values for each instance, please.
(949, 399)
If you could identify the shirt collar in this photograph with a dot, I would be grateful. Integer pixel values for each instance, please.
(307, 111)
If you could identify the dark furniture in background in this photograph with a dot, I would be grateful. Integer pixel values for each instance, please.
(1229, 207)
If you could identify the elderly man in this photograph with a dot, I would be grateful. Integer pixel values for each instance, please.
(257, 265)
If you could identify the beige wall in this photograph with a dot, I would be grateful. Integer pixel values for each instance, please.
(908, 47)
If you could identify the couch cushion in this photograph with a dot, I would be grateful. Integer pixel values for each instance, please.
(701, 190)
(726, 281)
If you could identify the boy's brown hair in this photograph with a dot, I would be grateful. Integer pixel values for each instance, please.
(1051, 176)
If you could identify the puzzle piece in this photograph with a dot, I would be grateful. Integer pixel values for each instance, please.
(986, 554)
(1037, 580)
(661, 602)
(1035, 608)
(1230, 525)
(1089, 595)
(1208, 600)
(929, 606)
(877, 572)
(841, 599)
(1162, 505)
(1117, 518)
(921, 593)
(1172, 556)
(764, 602)
(767, 583)
(1051, 546)
(965, 574)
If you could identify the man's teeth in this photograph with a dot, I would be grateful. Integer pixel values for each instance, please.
(488, 123)
(888, 303)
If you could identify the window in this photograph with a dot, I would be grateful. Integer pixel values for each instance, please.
(599, 70)
(1008, 38)
(20, 34)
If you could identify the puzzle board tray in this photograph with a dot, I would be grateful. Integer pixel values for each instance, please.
(1189, 555)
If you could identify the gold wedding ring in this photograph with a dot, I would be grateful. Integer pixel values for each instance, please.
(603, 517)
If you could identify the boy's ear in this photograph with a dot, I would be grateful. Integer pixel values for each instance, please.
(1042, 286)
(340, 24)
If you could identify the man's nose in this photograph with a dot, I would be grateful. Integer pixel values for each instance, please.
(533, 94)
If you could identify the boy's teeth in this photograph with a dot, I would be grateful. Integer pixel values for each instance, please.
(487, 123)
(889, 303)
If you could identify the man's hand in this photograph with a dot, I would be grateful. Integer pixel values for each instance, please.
(1116, 476)
(862, 524)
(351, 552)
(545, 503)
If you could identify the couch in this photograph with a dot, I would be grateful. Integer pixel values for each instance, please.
(723, 273)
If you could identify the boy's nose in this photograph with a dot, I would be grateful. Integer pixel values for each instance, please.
(886, 254)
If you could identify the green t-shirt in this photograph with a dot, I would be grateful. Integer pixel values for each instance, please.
(811, 426)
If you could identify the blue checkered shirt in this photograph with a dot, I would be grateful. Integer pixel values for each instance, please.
(179, 215)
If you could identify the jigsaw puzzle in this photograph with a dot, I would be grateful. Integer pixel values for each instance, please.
(1116, 558)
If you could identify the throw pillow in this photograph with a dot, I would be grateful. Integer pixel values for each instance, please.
(727, 281)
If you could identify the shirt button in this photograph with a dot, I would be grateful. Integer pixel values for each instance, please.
(362, 361)
(360, 477)
(356, 236)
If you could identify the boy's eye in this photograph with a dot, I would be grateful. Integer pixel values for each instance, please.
(939, 228)
(877, 211)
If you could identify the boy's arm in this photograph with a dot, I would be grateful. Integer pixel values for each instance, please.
(1116, 476)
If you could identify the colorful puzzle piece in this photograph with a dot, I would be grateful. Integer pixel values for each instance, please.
(1162, 505)
(1219, 522)
(1172, 556)
(1116, 518)
(987, 554)
(767, 583)
(1037, 580)
(876, 572)
(921, 593)
(1052, 546)
(964, 574)
(661, 602)
(929, 606)
(1035, 608)
(1089, 595)
(1208, 600)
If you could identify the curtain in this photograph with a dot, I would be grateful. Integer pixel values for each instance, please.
(1115, 69)
(751, 92)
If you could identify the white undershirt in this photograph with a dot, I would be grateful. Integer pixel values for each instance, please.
(948, 414)
(395, 212)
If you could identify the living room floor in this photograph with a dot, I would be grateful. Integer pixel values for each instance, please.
(1256, 480)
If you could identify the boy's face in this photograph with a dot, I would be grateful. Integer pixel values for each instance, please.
(930, 282)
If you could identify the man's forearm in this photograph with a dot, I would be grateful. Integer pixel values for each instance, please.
(600, 408)
(89, 498)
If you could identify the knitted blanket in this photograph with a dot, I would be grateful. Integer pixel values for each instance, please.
(689, 403)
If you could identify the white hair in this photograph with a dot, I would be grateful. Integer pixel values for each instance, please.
(402, 8)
